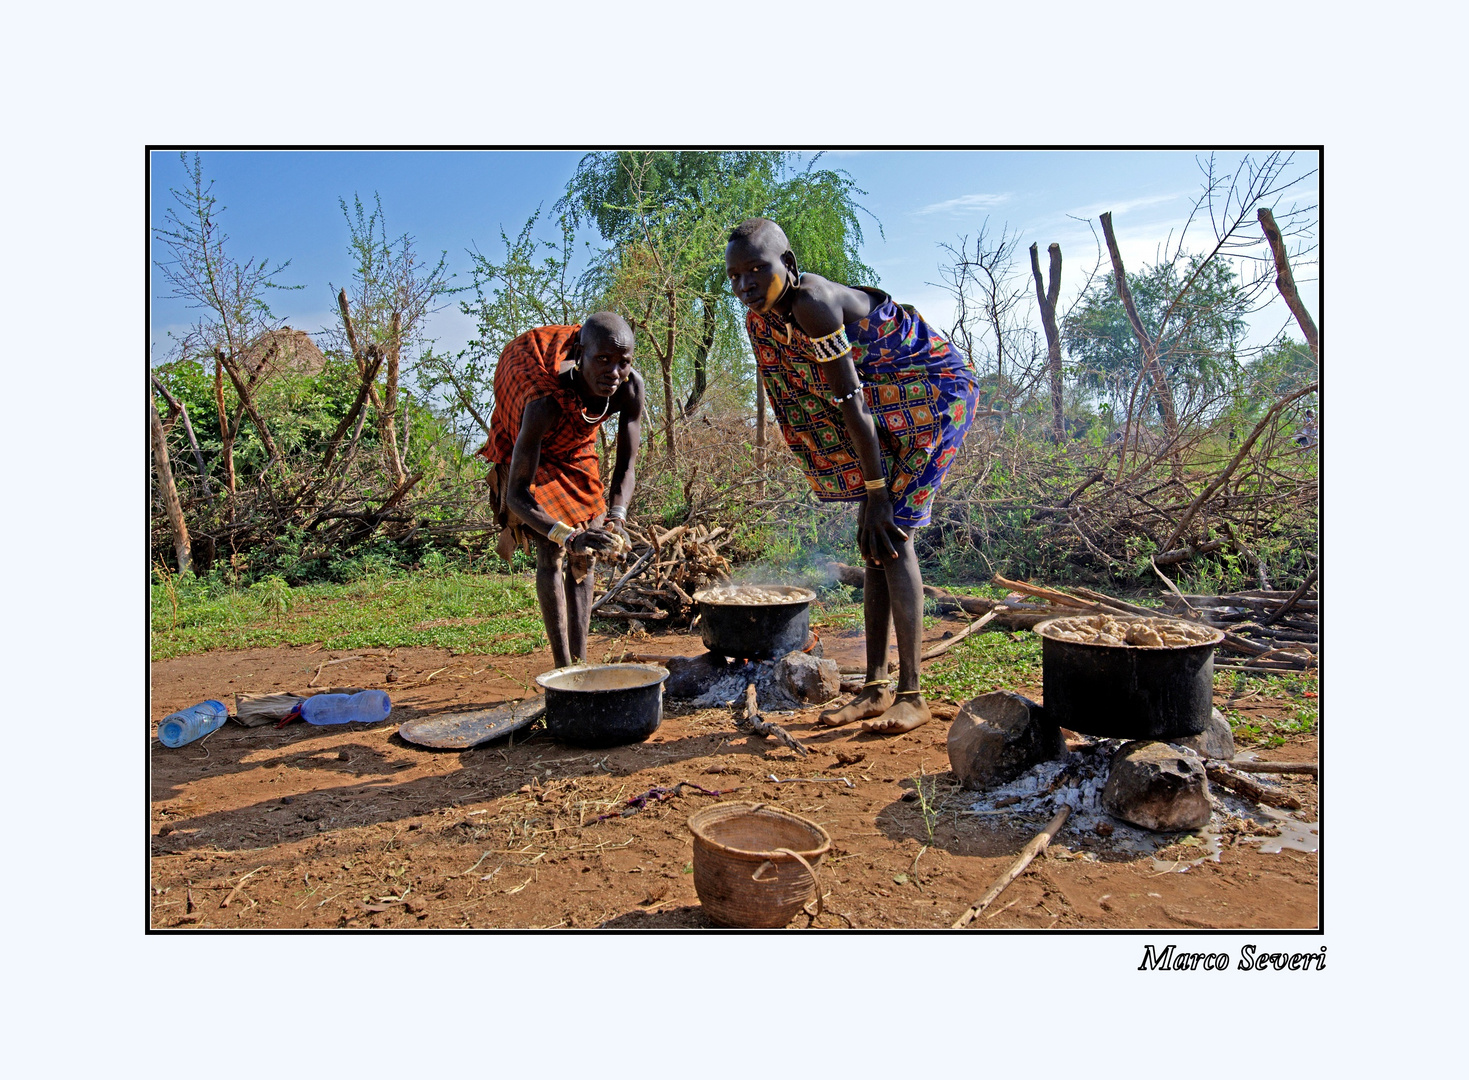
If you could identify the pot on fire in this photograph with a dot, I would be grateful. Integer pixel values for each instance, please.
(754, 622)
(1128, 677)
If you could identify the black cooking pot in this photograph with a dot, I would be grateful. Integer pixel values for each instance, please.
(603, 704)
(1128, 691)
(754, 631)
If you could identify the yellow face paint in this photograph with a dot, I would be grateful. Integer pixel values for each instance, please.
(773, 291)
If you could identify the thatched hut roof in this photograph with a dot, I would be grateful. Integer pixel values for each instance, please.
(284, 350)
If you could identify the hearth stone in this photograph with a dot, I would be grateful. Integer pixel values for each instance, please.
(998, 736)
(807, 678)
(1215, 741)
(1156, 787)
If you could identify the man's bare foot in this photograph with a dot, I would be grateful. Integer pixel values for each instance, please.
(870, 701)
(907, 713)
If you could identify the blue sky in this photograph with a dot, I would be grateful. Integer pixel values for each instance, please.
(284, 205)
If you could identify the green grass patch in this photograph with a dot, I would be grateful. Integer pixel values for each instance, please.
(981, 663)
(452, 610)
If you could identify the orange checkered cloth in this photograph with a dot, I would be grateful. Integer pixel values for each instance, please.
(567, 485)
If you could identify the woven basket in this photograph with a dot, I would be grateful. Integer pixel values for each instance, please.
(755, 865)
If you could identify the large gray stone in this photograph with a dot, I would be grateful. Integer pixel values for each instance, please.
(998, 736)
(1215, 741)
(1156, 787)
(807, 678)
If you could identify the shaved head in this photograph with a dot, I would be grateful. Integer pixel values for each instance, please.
(606, 327)
(759, 232)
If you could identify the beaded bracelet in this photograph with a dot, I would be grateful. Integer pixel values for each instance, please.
(848, 397)
(833, 346)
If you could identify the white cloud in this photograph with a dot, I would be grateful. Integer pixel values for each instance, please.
(963, 203)
(1124, 205)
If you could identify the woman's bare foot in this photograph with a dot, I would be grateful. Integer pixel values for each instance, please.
(907, 713)
(870, 701)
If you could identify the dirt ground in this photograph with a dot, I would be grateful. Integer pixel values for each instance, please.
(353, 827)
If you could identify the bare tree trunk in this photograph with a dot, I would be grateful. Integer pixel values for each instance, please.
(666, 361)
(390, 408)
(1150, 349)
(226, 435)
(174, 404)
(759, 431)
(1047, 298)
(701, 358)
(1286, 283)
(248, 401)
(181, 543)
(389, 428)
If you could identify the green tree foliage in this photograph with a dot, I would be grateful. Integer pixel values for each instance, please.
(664, 217)
(1200, 343)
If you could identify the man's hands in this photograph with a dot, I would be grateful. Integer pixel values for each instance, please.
(878, 536)
(595, 539)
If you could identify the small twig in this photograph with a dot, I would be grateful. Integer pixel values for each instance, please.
(811, 780)
(1172, 587)
(240, 885)
(329, 663)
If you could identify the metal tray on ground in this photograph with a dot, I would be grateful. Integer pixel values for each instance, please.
(460, 731)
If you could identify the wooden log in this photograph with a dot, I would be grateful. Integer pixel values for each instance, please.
(944, 646)
(619, 613)
(1055, 596)
(1294, 598)
(1308, 768)
(1027, 853)
(1243, 785)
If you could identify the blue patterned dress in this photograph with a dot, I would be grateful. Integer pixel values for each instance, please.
(920, 391)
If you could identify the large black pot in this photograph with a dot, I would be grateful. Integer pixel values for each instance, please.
(754, 631)
(1128, 691)
(603, 704)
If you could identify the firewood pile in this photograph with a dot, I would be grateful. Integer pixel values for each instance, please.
(1281, 627)
(659, 576)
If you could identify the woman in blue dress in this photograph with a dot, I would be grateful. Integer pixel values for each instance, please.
(874, 403)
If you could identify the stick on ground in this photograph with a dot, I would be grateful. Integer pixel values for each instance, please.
(765, 727)
(1029, 852)
(1243, 785)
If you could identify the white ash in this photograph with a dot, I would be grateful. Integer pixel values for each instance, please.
(729, 689)
(1038, 795)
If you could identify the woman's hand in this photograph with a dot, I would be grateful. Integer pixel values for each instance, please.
(878, 536)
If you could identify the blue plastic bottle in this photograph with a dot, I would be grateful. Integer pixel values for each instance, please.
(192, 723)
(363, 707)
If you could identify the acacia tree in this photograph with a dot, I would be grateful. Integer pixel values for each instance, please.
(392, 293)
(232, 297)
(530, 285)
(665, 216)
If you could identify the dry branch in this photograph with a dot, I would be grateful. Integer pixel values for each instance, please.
(765, 728)
(1027, 853)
